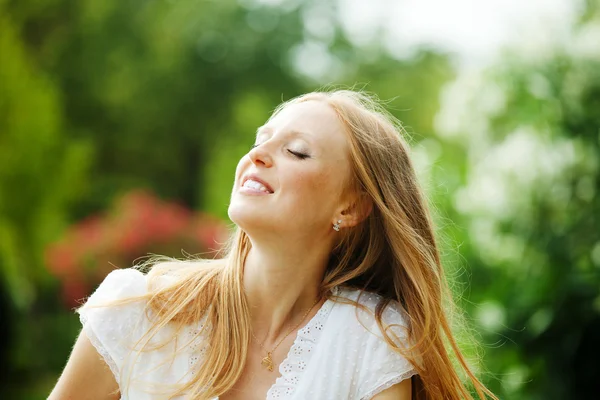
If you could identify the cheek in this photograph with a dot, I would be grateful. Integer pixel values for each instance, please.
(241, 166)
(316, 187)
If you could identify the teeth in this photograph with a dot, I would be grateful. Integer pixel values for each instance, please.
(255, 185)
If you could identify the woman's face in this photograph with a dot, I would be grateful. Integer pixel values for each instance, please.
(293, 178)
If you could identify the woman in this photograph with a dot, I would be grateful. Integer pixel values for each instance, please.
(331, 287)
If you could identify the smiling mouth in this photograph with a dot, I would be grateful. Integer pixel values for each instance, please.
(256, 185)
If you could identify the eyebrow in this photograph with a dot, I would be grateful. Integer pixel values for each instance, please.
(265, 129)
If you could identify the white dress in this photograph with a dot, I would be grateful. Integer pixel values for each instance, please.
(333, 356)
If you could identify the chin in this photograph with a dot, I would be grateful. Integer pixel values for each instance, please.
(249, 218)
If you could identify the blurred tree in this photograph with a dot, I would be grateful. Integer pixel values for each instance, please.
(172, 92)
(529, 129)
(41, 174)
(154, 84)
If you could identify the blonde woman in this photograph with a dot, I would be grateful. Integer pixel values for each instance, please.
(331, 287)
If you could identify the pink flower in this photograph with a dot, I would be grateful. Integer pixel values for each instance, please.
(137, 224)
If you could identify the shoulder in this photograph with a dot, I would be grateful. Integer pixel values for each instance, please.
(382, 364)
(112, 316)
(393, 317)
(120, 297)
(118, 285)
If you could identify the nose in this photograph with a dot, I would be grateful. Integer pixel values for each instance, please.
(259, 155)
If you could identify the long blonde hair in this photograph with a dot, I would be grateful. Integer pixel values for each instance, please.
(393, 252)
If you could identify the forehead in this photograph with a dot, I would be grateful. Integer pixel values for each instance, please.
(314, 120)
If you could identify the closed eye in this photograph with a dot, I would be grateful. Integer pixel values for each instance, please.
(301, 156)
(296, 154)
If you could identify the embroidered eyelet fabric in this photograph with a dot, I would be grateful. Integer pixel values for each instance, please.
(339, 354)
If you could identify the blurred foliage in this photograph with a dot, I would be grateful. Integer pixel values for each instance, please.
(40, 170)
(529, 130)
(102, 98)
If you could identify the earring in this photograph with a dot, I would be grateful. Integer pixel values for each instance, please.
(336, 226)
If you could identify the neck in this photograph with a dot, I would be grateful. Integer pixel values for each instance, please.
(282, 281)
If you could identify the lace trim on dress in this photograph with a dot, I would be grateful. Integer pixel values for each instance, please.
(298, 357)
(198, 346)
(100, 347)
(388, 384)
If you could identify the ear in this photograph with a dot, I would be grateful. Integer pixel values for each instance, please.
(356, 210)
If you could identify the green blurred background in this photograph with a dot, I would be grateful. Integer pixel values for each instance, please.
(121, 122)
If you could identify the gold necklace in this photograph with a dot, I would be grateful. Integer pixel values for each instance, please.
(267, 361)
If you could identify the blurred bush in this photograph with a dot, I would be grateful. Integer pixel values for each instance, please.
(138, 224)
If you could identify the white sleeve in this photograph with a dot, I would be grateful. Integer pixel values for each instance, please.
(113, 330)
(383, 367)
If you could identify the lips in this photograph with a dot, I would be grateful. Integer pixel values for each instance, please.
(257, 179)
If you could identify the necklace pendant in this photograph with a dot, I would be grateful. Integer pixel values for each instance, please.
(268, 362)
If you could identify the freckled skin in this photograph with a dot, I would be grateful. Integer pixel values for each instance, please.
(307, 192)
